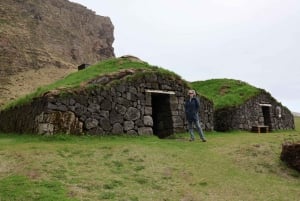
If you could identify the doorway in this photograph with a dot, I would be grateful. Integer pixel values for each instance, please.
(267, 116)
(161, 114)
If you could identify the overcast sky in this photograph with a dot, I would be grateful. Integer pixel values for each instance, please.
(256, 41)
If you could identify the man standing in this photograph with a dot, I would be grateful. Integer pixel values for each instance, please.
(191, 110)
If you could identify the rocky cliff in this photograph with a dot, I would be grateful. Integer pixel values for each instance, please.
(42, 41)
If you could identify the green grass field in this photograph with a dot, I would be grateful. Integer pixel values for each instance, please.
(230, 166)
(297, 123)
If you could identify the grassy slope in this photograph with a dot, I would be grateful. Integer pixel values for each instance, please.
(297, 123)
(75, 79)
(233, 166)
(225, 92)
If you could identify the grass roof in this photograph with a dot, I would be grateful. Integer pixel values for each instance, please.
(226, 92)
(74, 80)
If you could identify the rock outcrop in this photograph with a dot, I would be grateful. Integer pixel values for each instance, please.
(47, 39)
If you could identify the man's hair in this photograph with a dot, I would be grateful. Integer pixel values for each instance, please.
(192, 91)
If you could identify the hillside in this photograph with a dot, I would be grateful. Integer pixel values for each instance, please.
(225, 92)
(43, 41)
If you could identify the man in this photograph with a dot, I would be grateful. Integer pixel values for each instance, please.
(191, 110)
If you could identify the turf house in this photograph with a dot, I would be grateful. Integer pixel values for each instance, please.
(240, 106)
(116, 96)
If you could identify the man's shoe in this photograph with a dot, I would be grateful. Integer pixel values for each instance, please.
(191, 140)
(204, 140)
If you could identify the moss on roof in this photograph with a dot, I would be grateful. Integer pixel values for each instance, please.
(226, 92)
(75, 80)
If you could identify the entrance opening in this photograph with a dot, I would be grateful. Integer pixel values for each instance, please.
(267, 115)
(161, 114)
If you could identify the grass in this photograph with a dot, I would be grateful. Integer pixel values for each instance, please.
(297, 123)
(74, 80)
(231, 166)
(17, 187)
(225, 92)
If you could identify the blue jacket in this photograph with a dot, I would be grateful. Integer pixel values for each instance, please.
(191, 109)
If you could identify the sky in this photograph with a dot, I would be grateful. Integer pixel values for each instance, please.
(256, 41)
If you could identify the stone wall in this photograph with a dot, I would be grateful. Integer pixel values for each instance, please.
(251, 113)
(114, 104)
(21, 119)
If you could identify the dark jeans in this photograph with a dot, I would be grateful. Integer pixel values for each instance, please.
(198, 127)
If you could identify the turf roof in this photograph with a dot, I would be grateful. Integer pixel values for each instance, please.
(223, 92)
(226, 92)
(75, 80)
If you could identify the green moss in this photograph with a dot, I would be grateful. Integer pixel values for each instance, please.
(226, 92)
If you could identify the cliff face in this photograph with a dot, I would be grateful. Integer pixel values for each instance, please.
(42, 41)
